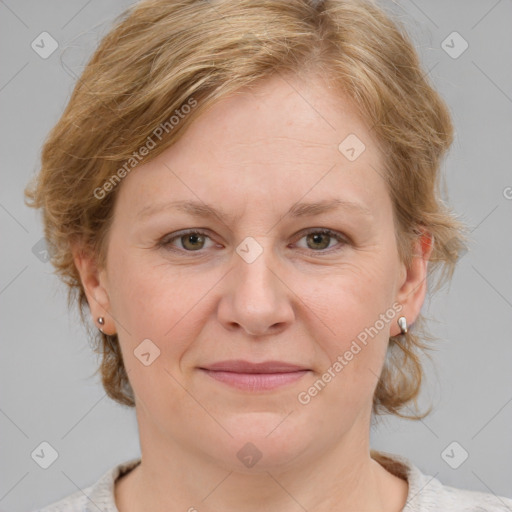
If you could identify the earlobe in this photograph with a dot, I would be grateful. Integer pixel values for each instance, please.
(413, 288)
(94, 283)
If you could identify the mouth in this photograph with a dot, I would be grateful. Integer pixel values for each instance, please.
(249, 376)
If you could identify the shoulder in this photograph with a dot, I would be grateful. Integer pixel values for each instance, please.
(98, 496)
(76, 502)
(428, 494)
(461, 500)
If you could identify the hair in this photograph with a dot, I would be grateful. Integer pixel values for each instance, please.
(162, 55)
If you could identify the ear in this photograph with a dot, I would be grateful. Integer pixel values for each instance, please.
(94, 281)
(413, 284)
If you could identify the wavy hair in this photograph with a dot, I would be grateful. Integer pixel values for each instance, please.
(160, 54)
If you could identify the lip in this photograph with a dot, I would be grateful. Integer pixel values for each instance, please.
(249, 376)
(241, 366)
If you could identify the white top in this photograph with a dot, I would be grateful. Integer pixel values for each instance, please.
(426, 493)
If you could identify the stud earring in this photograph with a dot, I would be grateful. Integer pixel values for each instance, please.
(101, 321)
(402, 323)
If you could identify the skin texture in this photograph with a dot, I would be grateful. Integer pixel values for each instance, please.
(303, 300)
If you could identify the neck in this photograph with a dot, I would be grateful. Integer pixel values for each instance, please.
(340, 477)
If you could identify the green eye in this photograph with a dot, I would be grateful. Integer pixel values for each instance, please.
(319, 239)
(190, 241)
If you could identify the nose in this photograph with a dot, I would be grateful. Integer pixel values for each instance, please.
(257, 298)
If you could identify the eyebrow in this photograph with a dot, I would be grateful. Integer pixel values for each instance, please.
(303, 209)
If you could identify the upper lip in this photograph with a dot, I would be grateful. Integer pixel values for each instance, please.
(240, 366)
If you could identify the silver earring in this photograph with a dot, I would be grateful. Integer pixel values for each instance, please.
(101, 321)
(402, 323)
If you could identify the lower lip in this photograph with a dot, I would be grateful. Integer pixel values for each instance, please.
(256, 381)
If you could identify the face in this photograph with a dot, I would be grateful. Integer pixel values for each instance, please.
(266, 278)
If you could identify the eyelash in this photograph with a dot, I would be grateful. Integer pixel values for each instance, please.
(166, 242)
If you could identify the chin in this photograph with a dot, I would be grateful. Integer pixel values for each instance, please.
(263, 442)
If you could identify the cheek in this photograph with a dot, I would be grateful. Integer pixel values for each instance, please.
(350, 298)
(155, 303)
(351, 315)
(164, 303)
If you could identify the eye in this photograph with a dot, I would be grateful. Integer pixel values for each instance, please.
(193, 240)
(319, 239)
(190, 241)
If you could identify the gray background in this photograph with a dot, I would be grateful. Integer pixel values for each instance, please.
(49, 392)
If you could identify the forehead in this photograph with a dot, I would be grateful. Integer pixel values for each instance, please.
(273, 143)
(282, 115)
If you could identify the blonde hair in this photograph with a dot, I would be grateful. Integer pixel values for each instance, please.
(161, 54)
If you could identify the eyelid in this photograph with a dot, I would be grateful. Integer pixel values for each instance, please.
(333, 232)
(166, 240)
(341, 237)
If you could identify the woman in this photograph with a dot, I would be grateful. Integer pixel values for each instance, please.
(243, 197)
